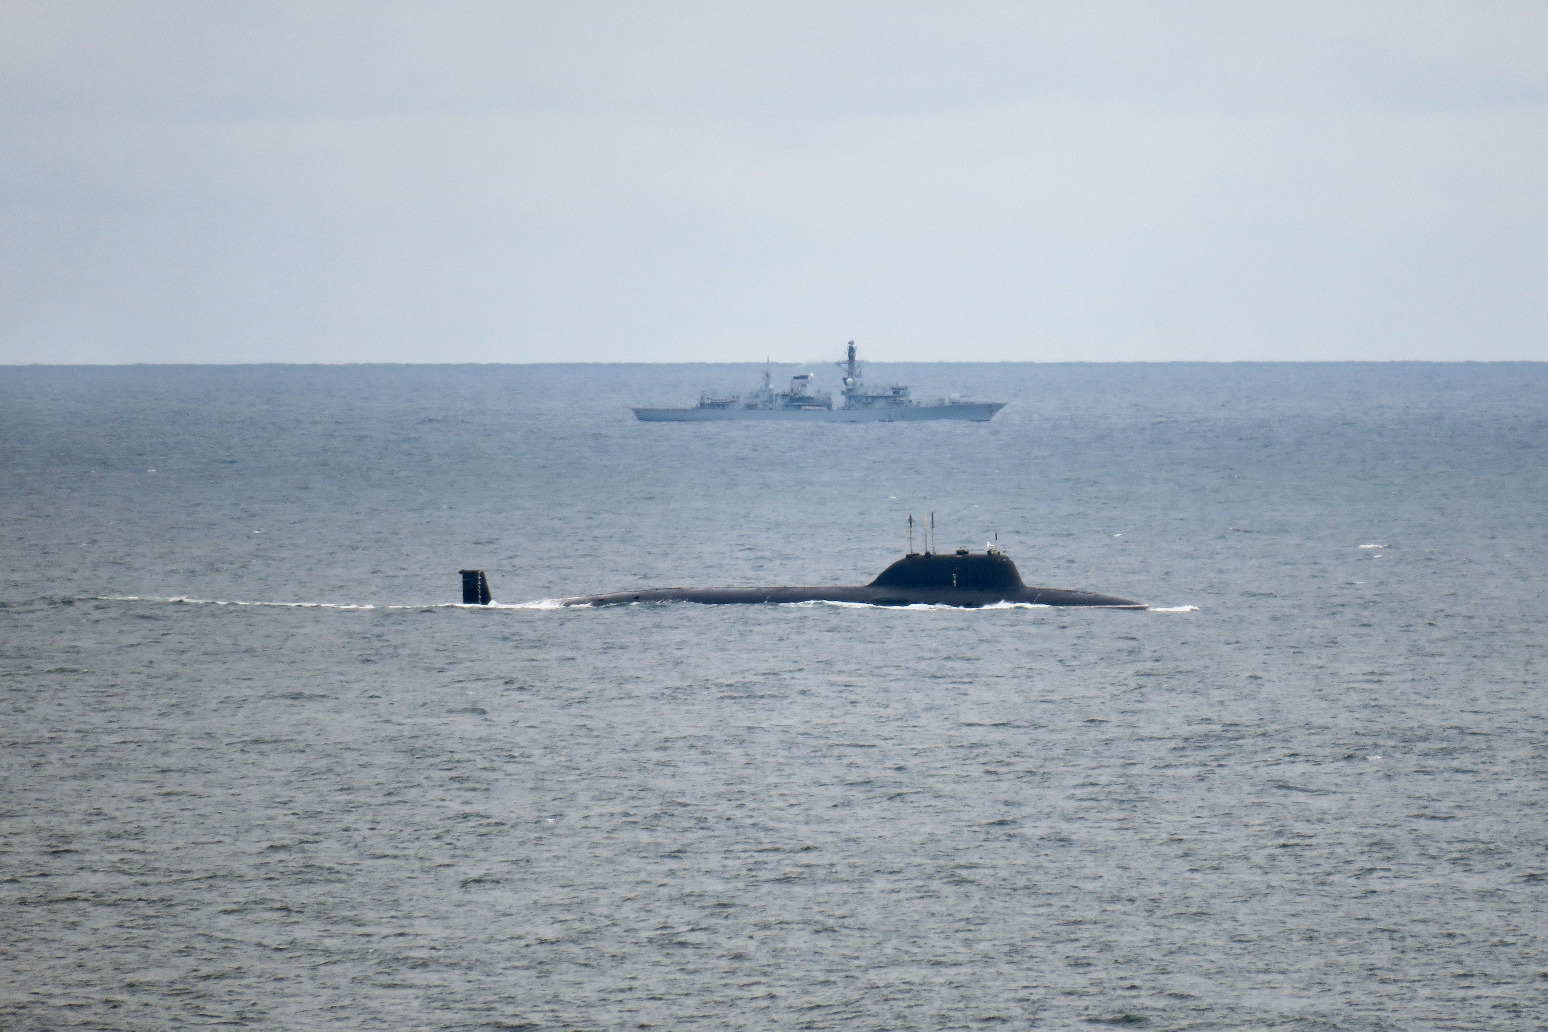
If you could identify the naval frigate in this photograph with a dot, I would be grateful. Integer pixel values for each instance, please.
(802, 401)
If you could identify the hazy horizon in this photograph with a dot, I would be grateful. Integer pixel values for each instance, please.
(387, 183)
(796, 362)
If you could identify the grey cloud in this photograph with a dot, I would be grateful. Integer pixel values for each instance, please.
(342, 182)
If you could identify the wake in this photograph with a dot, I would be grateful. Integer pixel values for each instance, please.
(546, 604)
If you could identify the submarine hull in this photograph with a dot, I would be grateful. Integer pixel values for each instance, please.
(868, 594)
(962, 579)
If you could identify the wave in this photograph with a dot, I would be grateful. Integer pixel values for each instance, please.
(543, 604)
(185, 600)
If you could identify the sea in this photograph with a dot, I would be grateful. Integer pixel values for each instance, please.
(259, 768)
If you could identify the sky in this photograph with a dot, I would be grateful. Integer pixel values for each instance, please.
(558, 182)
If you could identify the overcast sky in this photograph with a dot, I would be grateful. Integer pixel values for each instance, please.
(505, 182)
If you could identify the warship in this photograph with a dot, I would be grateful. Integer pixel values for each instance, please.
(963, 579)
(802, 401)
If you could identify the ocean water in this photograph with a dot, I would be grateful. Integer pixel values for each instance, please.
(256, 771)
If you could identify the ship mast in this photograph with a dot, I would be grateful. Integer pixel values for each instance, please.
(851, 370)
(851, 374)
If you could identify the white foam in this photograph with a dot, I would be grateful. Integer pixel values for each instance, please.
(542, 603)
(1373, 546)
(1174, 609)
(550, 604)
(919, 606)
(809, 603)
(187, 601)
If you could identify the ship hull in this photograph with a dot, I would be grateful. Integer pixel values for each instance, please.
(868, 594)
(966, 411)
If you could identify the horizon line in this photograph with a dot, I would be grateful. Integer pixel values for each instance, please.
(754, 362)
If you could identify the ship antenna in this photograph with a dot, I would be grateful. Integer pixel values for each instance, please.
(910, 533)
(931, 546)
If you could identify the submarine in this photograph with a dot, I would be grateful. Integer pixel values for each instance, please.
(968, 580)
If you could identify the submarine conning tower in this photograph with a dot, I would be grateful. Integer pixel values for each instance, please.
(963, 570)
(475, 588)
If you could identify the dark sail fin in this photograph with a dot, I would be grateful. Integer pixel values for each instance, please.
(475, 588)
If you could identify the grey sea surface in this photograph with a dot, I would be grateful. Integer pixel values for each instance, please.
(256, 770)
